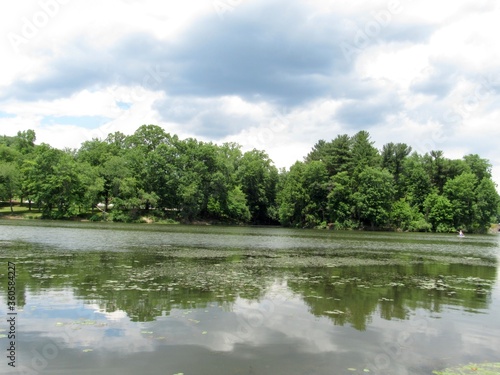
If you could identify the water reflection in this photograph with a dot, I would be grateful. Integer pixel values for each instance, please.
(146, 285)
(404, 306)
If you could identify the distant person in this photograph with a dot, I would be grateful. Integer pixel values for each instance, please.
(460, 233)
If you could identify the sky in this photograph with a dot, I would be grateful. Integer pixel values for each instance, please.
(268, 74)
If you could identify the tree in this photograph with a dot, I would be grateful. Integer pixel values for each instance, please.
(435, 165)
(315, 183)
(415, 182)
(117, 142)
(25, 141)
(237, 208)
(113, 171)
(439, 212)
(303, 197)
(408, 218)
(93, 183)
(130, 199)
(335, 154)
(364, 154)
(9, 154)
(486, 204)
(340, 200)
(163, 175)
(345, 181)
(402, 214)
(258, 178)
(373, 197)
(9, 182)
(94, 152)
(52, 179)
(480, 167)
(148, 137)
(318, 152)
(393, 157)
(461, 193)
(191, 198)
(292, 197)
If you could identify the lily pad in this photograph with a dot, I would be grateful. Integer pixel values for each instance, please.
(472, 368)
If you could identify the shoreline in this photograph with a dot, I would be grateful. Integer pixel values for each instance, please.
(493, 230)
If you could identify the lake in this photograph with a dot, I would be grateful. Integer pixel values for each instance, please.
(157, 299)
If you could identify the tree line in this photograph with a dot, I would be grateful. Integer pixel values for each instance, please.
(344, 183)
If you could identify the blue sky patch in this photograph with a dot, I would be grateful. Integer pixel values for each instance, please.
(88, 122)
(6, 115)
(123, 105)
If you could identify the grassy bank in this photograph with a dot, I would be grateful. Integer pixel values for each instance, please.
(19, 212)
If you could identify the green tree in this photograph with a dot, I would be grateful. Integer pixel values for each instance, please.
(393, 157)
(415, 182)
(486, 205)
(114, 171)
(9, 182)
(408, 218)
(108, 162)
(480, 167)
(51, 176)
(364, 154)
(258, 178)
(461, 193)
(401, 214)
(340, 200)
(191, 197)
(439, 212)
(373, 197)
(237, 208)
(148, 137)
(315, 182)
(25, 141)
(336, 154)
(8, 154)
(131, 199)
(435, 165)
(117, 142)
(164, 173)
(93, 185)
(94, 152)
(292, 197)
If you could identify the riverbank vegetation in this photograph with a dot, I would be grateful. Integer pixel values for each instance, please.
(152, 176)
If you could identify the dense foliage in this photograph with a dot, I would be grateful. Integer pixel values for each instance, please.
(344, 183)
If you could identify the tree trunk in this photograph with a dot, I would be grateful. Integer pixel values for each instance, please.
(11, 208)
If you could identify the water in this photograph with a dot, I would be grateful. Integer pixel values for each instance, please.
(147, 299)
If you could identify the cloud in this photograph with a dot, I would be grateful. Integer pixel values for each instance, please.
(210, 117)
(275, 75)
(436, 81)
(259, 57)
(363, 114)
(247, 55)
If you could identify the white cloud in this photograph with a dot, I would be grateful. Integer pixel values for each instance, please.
(427, 63)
